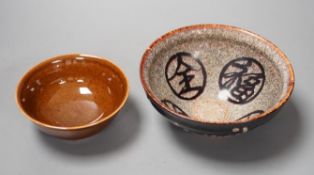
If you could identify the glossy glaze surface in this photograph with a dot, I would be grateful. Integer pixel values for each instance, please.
(72, 91)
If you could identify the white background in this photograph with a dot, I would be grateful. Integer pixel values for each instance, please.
(140, 141)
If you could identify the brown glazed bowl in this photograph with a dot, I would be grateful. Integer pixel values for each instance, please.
(72, 96)
(216, 79)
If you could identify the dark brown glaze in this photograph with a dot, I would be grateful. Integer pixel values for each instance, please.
(72, 92)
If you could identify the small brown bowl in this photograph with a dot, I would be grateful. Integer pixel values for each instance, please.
(216, 79)
(72, 96)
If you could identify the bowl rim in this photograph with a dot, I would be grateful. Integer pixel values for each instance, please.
(64, 56)
(265, 41)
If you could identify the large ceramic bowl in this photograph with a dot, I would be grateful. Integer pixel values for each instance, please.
(216, 79)
(72, 96)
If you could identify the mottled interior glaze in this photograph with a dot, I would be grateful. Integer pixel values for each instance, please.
(72, 90)
(199, 72)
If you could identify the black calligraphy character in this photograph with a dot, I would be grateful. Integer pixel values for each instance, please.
(251, 114)
(244, 78)
(173, 107)
(185, 75)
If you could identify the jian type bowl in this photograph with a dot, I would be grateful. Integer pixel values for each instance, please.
(72, 96)
(216, 79)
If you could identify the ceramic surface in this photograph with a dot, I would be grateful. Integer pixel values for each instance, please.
(216, 79)
(72, 96)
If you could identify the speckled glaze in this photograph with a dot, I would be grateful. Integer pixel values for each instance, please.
(216, 79)
(72, 96)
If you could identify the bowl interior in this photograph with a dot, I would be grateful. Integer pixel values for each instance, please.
(215, 74)
(72, 90)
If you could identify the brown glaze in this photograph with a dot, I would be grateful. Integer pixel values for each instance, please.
(72, 96)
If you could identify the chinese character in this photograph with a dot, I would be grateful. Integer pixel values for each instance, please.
(185, 75)
(244, 78)
(251, 114)
(173, 107)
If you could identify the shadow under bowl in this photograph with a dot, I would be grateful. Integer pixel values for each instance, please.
(216, 79)
(72, 96)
